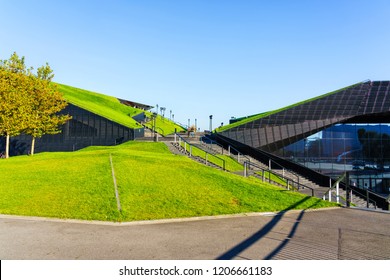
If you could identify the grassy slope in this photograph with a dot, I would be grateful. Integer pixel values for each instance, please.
(102, 105)
(164, 125)
(152, 183)
(110, 108)
(244, 120)
(230, 164)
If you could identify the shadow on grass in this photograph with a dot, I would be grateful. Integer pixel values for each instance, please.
(236, 250)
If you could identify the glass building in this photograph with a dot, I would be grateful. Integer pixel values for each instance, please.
(345, 130)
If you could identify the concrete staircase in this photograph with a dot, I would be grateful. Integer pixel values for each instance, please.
(306, 186)
(356, 200)
(175, 148)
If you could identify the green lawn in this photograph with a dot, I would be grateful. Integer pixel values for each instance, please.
(152, 184)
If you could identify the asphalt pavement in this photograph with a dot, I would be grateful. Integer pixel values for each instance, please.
(333, 234)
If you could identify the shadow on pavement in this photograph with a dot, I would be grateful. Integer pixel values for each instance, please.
(236, 250)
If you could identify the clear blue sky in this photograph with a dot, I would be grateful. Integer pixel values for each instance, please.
(196, 58)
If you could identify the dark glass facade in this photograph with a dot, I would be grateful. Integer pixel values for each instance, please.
(361, 149)
(346, 130)
(83, 130)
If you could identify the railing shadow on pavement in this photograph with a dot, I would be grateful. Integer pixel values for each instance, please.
(236, 250)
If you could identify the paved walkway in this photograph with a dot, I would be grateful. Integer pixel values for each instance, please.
(324, 234)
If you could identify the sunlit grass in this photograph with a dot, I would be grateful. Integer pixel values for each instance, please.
(152, 184)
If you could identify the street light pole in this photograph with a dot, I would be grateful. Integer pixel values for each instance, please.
(211, 122)
(154, 127)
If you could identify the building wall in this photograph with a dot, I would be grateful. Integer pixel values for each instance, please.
(83, 130)
(286, 127)
(308, 133)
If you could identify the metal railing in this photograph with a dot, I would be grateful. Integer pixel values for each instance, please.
(276, 178)
(336, 185)
(363, 193)
(240, 156)
(207, 156)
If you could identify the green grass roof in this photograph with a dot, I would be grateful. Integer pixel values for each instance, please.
(110, 108)
(245, 120)
(103, 105)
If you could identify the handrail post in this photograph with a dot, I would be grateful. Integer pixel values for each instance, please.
(347, 189)
(229, 150)
(175, 137)
(337, 193)
(368, 199)
(206, 158)
(190, 151)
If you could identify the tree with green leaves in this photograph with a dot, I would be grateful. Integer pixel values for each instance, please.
(28, 103)
(44, 117)
(14, 111)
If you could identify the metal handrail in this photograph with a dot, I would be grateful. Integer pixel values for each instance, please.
(340, 179)
(206, 153)
(356, 190)
(229, 147)
(366, 196)
(288, 180)
(213, 142)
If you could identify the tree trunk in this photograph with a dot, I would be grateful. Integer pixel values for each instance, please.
(32, 146)
(7, 147)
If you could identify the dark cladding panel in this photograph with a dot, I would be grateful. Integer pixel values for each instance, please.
(240, 136)
(283, 131)
(255, 137)
(276, 132)
(262, 137)
(291, 130)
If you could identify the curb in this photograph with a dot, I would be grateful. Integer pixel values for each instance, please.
(160, 221)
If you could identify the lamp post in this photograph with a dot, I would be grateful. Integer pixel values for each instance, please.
(196, 126)
(162, 111)
(154, 127)
(211, 122)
